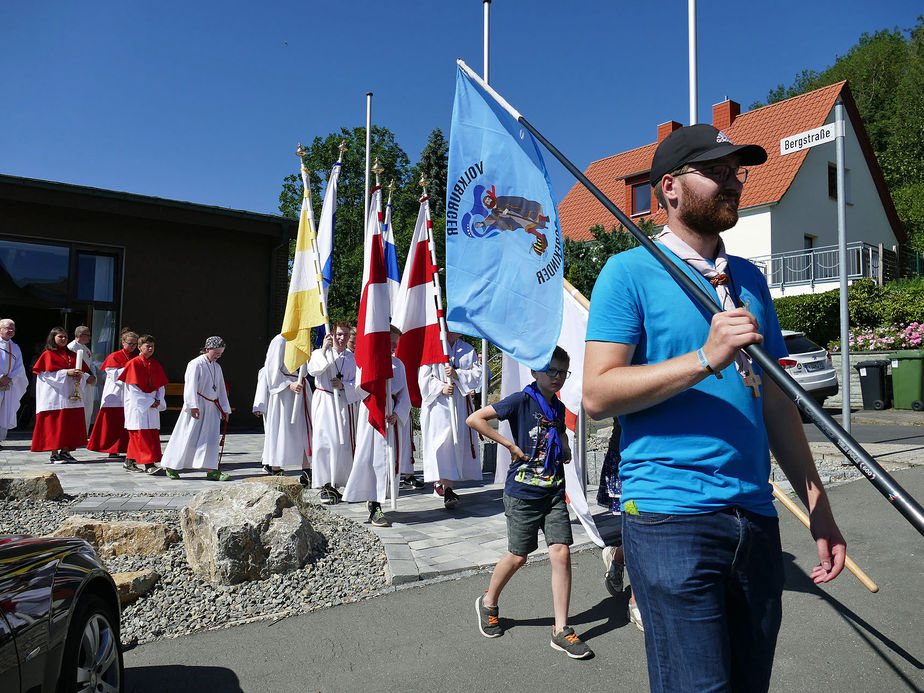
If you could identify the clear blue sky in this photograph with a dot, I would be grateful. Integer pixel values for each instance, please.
(204, 101)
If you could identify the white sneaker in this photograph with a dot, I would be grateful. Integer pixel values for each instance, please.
(635, 616)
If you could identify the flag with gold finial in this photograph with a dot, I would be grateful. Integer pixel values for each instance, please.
(304, 306)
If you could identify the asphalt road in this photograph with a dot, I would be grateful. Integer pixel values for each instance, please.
(873, 433)
(424, 638)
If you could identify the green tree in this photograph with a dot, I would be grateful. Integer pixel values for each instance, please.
(584, 259)
(886, 75)
(343, 299)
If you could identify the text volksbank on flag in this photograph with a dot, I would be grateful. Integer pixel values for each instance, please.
(503, 242)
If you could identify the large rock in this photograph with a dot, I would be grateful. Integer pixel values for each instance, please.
(117, 538)
(245, 531)
(30, 485)
(289, 485)
(133, 585)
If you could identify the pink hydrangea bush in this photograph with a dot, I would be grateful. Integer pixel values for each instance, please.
(910, 336)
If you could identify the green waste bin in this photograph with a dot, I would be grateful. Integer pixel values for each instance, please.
(908, 380)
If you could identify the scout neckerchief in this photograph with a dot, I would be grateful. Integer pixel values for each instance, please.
(719, 277)
(553, 450)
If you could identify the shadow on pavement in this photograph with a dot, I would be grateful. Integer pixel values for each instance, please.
(179, 678)
(798, 581)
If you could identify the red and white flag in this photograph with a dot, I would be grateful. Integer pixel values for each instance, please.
(373, 332)
(517, 376)
(415, 312)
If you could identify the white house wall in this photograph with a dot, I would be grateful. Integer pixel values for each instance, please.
(750, 237)
(806, 208)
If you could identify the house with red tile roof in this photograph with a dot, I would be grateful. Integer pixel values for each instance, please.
(788, 212)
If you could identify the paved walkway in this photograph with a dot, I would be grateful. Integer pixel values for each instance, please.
(424, 541)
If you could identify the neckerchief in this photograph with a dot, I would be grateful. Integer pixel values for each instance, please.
(553, 451)
(718, 276)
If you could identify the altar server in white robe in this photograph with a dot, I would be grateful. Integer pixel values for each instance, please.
(13, 378)
(333, 367)
(288, 445)
(194, 443)
(369, 477)
(444, 462)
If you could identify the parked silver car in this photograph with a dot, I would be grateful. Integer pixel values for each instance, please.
(809, 365)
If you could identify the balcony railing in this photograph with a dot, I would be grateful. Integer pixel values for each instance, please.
(818, 265)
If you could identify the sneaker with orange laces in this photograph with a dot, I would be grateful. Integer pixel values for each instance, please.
(569, 643)
(488, 622)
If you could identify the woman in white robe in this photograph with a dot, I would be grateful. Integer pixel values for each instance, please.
(333, 367)
(444, 462)
(288, 445)
(194, 443)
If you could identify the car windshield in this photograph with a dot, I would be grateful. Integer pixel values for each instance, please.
(799, 344)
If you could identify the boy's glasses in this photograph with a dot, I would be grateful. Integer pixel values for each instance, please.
(554, 373)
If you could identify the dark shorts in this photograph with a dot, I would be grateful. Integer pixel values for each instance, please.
(526, 516)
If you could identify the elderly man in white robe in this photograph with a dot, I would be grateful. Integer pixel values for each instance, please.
(333, 367)
(442, 387)
(369, 478)
(81, 342)
(288, 443)
(13, 378)
(194, 443)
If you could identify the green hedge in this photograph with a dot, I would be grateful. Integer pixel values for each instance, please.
(869, 305)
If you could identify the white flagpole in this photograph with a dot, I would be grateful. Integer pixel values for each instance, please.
(368, 149)
(390, 447)
(487, 62)
(691, 19)
(441, 320)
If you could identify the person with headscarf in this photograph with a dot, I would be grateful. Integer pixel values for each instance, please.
(194, 443)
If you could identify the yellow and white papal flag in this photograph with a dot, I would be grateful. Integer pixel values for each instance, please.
(304, 307)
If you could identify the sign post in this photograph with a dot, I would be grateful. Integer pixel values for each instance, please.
(812, 138)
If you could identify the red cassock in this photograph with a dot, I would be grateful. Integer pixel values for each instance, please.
(109, 434)
(143, 421)
(59, 420)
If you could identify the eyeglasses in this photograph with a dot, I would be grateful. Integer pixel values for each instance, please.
(555, 372)
(719, 173)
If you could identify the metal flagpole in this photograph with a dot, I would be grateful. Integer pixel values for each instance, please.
(910, 509)
(691, 20)
(842, 261)
(368, 148)
(487, 63)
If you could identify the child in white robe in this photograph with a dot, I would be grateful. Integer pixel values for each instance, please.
(333, 367)
(288, 442)
(369, 478)
(444, 462)
(194, 443)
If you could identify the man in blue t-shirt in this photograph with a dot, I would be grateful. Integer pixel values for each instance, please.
(534, 496)
(700, 533)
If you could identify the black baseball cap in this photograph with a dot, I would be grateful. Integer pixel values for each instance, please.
(700, 142)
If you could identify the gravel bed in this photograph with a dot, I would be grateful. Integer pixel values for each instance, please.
(348, 565)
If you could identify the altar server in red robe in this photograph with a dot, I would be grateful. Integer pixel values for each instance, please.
(59, 420)
(144, 380)
(109, 433)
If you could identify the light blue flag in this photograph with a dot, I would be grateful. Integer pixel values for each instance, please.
(503, 243)
(326, 229)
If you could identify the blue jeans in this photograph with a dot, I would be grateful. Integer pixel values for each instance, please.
(709, 588)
